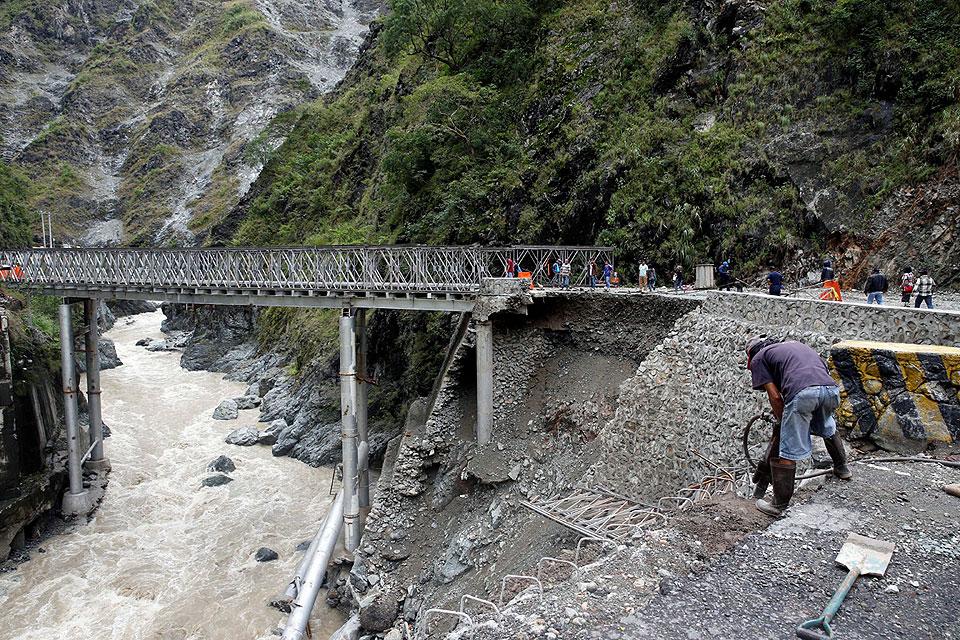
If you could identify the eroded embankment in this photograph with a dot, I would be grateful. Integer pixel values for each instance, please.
(611, 391)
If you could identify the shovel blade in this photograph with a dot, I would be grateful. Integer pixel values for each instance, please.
(869, 555)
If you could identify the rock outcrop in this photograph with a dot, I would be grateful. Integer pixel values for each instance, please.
(145, 124)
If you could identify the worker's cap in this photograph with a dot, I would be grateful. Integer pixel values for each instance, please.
(757, 343)
(754, 342)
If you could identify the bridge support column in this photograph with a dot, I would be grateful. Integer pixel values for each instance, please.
(484, 381)
(77, 500)
(360, 409)
(97, 461)
(348, 424)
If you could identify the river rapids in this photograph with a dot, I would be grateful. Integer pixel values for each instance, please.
(163, 558)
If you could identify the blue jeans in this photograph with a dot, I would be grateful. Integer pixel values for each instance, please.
(606, 281)
(809, 412)
(921, 299)
(876, 296)
(652, 284)
(593, 281)
(565, 282)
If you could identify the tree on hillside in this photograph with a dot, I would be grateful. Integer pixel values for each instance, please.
(457, 32)
(14, 221)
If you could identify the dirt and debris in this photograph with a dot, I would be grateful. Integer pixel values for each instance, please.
(722, 570)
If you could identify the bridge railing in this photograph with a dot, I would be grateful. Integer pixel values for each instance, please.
(346, 268)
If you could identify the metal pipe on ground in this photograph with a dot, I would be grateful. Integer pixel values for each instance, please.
(77, 499)
(348, 425)
(484, 381)
(309, 587)
(291, 590)
(97, 462)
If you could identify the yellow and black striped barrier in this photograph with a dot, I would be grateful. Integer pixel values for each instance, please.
(902, 396)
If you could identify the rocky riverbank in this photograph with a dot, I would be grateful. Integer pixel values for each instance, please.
(299, 407)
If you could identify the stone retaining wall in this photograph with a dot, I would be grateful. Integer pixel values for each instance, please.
(692, 393)
(850, 321)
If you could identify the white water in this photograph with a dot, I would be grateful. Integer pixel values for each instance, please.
(164, 559)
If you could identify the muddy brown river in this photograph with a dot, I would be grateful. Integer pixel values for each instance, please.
(163, 559)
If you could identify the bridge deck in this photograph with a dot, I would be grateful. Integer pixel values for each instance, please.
(393, 277)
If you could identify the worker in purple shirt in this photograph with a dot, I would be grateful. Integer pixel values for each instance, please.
(803, 397)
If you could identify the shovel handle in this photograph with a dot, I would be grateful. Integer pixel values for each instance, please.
(819, 628)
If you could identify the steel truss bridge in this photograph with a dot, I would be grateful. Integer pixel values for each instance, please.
(350, 278)
(393, 277)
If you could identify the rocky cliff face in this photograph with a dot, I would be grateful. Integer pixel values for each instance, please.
(145, 120)
(765, 132)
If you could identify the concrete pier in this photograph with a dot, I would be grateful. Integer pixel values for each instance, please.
(484, 381)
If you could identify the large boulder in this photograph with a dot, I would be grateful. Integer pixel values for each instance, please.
(216, 480)
(269, 435)
(904, 397)
(227, 410)
(378, 612)
(247, 402)
(108, 356)
(243, 437)
(266, 554)
(223, 464)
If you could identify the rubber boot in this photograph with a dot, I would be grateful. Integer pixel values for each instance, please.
(839, 456)
(761, 477)
(761, 480)
(784, 477)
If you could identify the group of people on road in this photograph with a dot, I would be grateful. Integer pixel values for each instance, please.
(560, 272)
(916, 288)
(919, 288)
(911, 286)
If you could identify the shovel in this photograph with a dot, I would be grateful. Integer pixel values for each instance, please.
(863, 557)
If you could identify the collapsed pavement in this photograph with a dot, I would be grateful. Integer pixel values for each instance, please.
(641, 395)
(701, 576)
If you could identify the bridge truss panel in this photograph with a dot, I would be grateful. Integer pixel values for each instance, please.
(350, 269)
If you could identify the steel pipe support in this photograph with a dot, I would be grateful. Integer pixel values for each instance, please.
(348, 423)
(97, 461)
(306, 590)
(76, 501)
(360, 408)
(484, 381)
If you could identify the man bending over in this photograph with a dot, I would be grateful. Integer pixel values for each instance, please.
(803, 398)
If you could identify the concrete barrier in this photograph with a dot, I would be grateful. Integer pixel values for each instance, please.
(902, 396)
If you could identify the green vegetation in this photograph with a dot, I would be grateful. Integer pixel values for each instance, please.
(15, 216)
(635, 124)
(239, 15)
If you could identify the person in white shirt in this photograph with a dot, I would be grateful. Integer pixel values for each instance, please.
(643, 275)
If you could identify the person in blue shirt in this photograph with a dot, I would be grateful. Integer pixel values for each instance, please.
(826, 273)
(724, 275)
(607, 274)
(775, 278)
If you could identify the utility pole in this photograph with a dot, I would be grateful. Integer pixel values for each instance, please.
(46, 229)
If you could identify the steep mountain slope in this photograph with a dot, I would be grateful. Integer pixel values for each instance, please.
(679, 131)
(145, 120)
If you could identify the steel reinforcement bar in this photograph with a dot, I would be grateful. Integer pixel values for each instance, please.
(346, 268)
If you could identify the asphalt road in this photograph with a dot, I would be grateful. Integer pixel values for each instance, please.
(775, 579)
